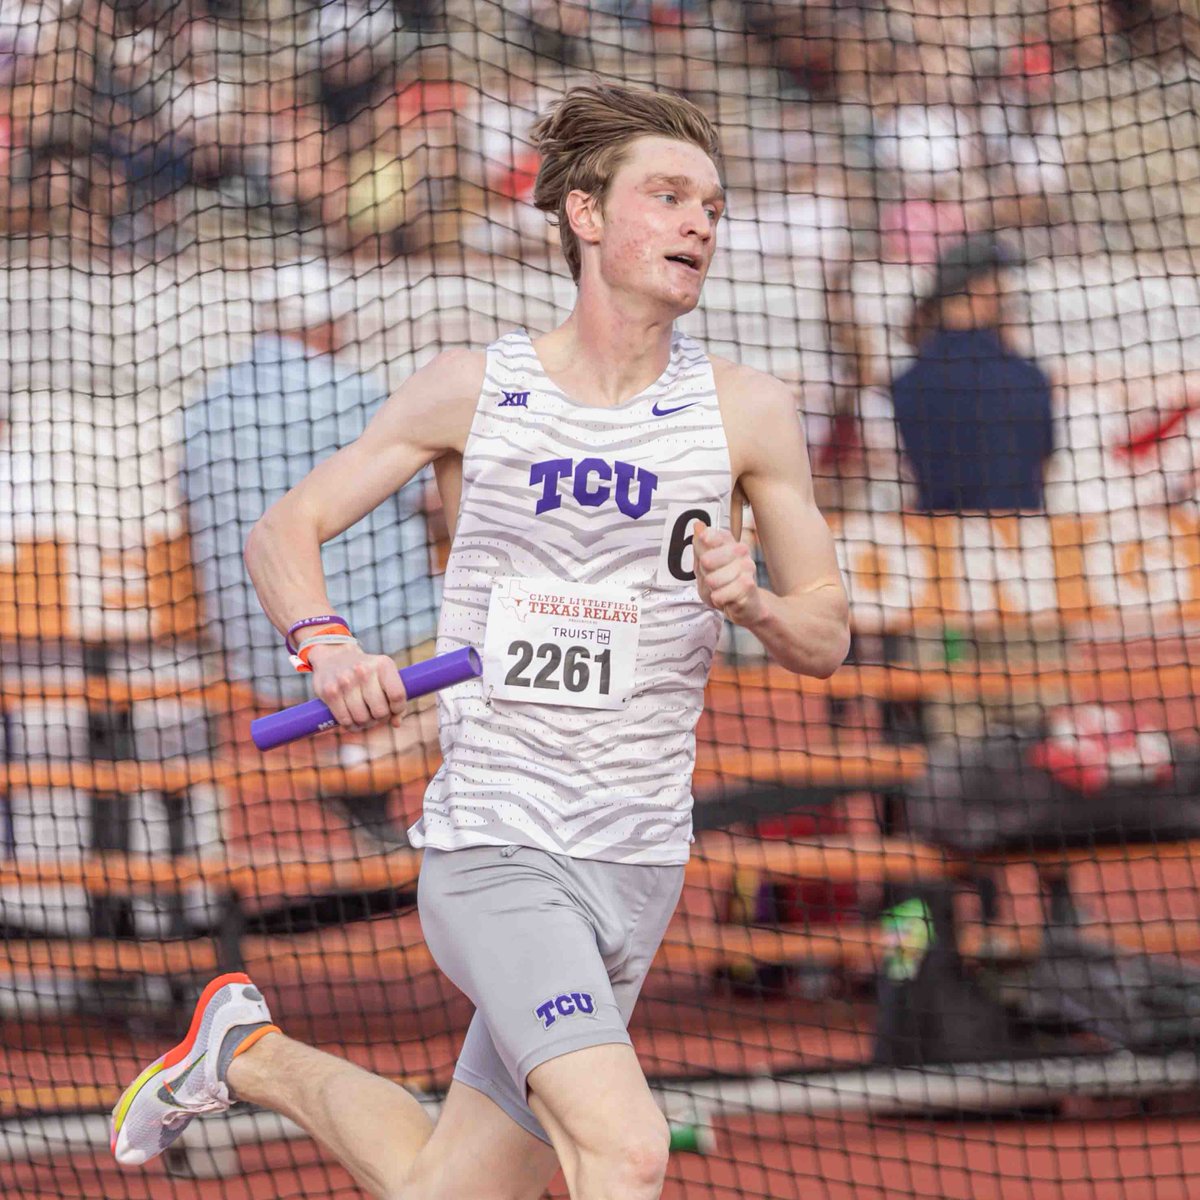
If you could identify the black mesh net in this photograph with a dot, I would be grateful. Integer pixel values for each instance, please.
(938, 932)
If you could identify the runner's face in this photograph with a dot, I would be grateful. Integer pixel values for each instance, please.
(660, 221)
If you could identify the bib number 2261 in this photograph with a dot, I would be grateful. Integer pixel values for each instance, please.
(567, 667)
(549, 642)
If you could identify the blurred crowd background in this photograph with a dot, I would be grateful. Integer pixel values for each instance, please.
(181, 178)
(387, 127)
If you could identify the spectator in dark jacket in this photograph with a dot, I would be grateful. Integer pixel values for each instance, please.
(974, 416)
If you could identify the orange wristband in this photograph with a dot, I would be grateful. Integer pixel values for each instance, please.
(300, 658)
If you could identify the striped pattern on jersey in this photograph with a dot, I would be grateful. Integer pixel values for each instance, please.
(590, 783)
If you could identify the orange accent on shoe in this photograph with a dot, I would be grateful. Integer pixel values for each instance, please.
(177, 1053)
(255, 1037)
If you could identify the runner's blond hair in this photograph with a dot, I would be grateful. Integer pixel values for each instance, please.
(584, 137)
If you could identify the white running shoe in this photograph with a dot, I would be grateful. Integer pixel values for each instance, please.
(161, 1102)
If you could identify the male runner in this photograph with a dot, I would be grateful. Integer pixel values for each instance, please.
(576, 469)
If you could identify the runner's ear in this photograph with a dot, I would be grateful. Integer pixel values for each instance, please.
(585, 216)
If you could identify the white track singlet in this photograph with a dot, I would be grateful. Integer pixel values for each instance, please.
(571, 571)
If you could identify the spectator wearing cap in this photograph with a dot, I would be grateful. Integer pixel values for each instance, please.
(255, 431)
(974, 416)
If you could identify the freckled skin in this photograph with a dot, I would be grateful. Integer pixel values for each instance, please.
(649, 221)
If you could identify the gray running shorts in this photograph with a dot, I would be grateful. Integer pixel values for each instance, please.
(551, 950)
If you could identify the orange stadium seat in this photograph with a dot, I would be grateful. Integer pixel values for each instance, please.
(34, 591)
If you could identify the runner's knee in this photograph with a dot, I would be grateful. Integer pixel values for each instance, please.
(631, 1162)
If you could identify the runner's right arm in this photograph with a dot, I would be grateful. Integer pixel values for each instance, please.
(427, 417)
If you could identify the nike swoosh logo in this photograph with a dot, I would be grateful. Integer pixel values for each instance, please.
(169, 1091)
(666, 412)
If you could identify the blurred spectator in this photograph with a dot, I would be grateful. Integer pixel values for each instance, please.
(931, 155)
(499, 168)
(974, 417)
(1079, 31)
(205, 110)
(256, 430)
(802, 237)
(1089, 33)
(123, 101)
(50, 183)
(300, 172)
(1159, 27)
(559, 30)
(407, 175)
(380, 201)
(46, 68)
(1131, 133)
(360, 42)
(801, 42)
(1026, 73)
(1028, 187)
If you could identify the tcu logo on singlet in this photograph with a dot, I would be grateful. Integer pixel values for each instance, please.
(569, 1004)
(595, 481)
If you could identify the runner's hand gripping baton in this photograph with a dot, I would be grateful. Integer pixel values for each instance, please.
(313, 716)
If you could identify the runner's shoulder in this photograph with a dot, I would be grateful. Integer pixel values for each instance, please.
(435, 406)
(453, 375)
(747, 394)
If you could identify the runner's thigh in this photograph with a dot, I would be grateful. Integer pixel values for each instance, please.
(510, 933)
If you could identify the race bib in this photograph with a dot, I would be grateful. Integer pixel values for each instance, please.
(560, 643)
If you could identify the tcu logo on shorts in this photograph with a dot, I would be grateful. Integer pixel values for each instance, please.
(594, 483)
(566, 1005)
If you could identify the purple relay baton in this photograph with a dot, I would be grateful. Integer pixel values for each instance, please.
(313, 716)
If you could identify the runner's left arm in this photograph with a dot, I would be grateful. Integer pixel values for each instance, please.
(803, 620)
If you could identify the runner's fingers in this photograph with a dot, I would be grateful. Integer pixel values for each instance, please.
(728, 574)
(730, 597)
(393, 687)
(717, 549)
(331, 694)
(734, 589)
(352, 698)
(335, 698)
(373, 696)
